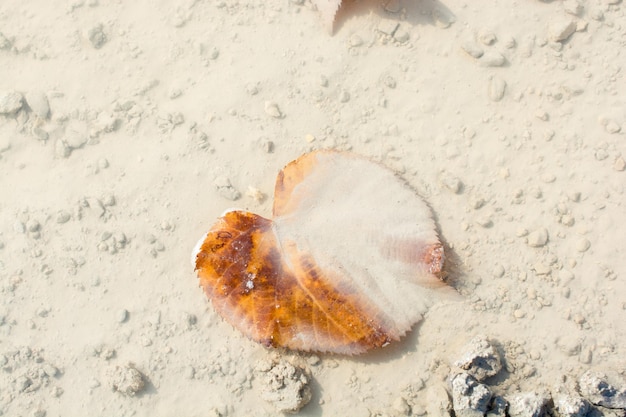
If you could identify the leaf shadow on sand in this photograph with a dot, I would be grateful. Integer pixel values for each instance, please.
(415, 12)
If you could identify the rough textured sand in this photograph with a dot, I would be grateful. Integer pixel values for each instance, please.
(508, 117)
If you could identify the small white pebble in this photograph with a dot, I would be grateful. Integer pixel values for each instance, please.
(189, 372)
(497, 88)
(538, 238)
(583, 245)
(252, 89)
(272, 109)
(96, 36)
(344, 96)
(387, 26)
(108, 200)
(451, 182)
(313, 360)
(472, 49)
(266, 145)
(38, 103)
(601, 154)
(43, 311)
(486, 37)
(355, 40)
(33, 225)
(63, 217)
(122, 315)
(612, 127)
(509, 42)
(39, 413)
(401, 36)
(50, 370)
(492, 59)
(535, 192)
(572, 7)
(581, 26)
(544, 301)
(10, 102)
(561, 28)
(573, 196)
(565, 276)
(189, 319)
(541, 268)
(484, 221)
(61, 149)
(255, 194)
(389, 81)
(549, 135)
(476, 202)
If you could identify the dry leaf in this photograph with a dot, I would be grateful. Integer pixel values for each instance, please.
(349, 261)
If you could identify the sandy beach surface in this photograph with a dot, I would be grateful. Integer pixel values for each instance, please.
(128, 127)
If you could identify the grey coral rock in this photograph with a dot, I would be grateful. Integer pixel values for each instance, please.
(286, 386)
(469, 397)
(571, 406)
(528, 404)
(498, 407)
(126, 379)
(10, 102)
(606, 389)
(225, 188)
(480, 359)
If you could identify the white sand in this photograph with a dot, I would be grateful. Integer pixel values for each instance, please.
(150, 102)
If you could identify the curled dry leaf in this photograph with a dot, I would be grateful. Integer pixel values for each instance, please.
(349, 261)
